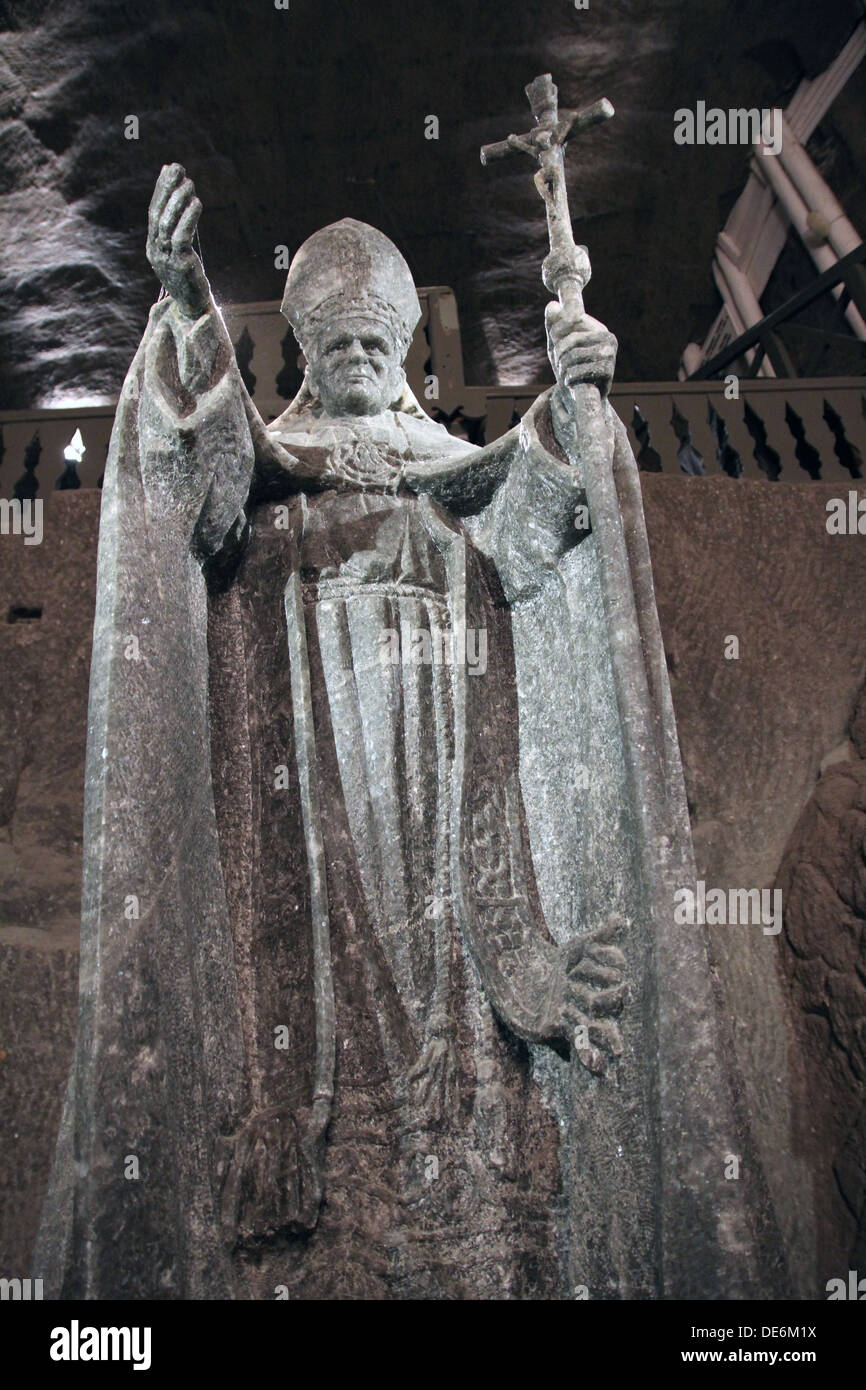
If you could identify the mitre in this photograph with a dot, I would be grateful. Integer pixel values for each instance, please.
(347, 270)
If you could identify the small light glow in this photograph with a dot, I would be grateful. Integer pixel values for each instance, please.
(75, 449)
(57, 400)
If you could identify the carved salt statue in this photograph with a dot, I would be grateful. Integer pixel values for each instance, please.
(366, 1027)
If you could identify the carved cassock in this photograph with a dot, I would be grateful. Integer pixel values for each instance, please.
(337, 790)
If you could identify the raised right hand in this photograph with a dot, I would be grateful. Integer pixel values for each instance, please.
(171, 223)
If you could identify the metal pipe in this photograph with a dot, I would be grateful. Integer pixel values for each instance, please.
(816, 193)
(737, 291)
(798, 212)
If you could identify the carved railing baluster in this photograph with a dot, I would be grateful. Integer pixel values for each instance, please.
(807, 455)
(27, 485)
(244, 350)
(69, 480)
(464, 426)
(729, 460)
(688, 457)
(74, 452)
(290, 376)
(648, 460)
(847, 453)
(766, 457)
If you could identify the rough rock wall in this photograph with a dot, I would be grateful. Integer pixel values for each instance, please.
(754, 561)
(823, 878)
(45, 661)
(288, 119)
(744, 559)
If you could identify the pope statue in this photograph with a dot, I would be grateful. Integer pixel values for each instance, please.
(356, 1018)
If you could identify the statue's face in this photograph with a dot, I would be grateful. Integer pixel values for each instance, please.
(356, 368)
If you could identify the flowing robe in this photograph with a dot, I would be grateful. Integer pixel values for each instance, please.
(404, 729)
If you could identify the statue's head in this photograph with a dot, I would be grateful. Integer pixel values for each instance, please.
(352, 303)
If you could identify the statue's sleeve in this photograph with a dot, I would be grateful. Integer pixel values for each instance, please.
(159, 1020)
(538, 509)
(196, 447)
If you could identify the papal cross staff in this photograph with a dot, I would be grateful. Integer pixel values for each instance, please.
(565, 272)
(607, 1257)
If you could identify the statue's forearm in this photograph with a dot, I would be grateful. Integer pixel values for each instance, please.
(469, 483)
(466, 484)
(194, 374)
(195, 447)
(524, 980)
